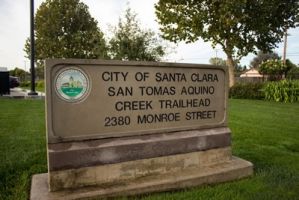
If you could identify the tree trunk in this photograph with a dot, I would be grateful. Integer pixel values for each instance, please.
(231, 68)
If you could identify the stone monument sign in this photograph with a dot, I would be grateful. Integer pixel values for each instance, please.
(124, 128)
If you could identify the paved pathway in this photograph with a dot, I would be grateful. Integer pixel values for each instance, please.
(22, 93)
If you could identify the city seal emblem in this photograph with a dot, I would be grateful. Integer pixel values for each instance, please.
(72, 84)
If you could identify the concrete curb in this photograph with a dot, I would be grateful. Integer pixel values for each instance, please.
(19, 93)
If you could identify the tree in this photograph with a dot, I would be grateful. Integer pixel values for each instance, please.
(239, 68)
(217, 61)
(262, 57)
(238, 26)
(293, 73)
(39, 72)
(65, 29)
(22, 74)
(130, 42)
(276, 68)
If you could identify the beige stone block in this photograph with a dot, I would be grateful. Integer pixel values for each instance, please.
(232, 169)
(127, 171)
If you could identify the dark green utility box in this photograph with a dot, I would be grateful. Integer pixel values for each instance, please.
(4, 83)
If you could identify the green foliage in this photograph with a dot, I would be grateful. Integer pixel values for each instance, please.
(22, 74)
(40, 84)
(262, 57)
(130, 42)
(217, 61)
(274, 68)
(25, 84)
(39, 71)
(239, 27)
(293, 73)
(290, 65)
(65, 29)
(247, 91)
(239, 69)
(282, 91)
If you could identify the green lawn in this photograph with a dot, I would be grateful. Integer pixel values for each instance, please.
(265, 133)
(22, 146)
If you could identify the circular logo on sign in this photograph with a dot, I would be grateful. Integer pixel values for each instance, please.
(72, 84)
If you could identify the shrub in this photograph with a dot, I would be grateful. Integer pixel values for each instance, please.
(247, 91)
(275, 68)
(25, 84)
(293, 73)
(40, 84)
(282, 91)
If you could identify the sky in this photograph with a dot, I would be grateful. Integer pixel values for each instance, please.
(15, 28)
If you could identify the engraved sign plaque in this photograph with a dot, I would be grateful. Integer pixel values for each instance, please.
(100, 99)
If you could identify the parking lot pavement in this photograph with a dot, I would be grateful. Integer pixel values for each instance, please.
(16, 92)
(22, 93)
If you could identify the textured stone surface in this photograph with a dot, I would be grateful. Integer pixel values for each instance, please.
(70, 155)
(126, 171)
(88, 118)
(233, 169)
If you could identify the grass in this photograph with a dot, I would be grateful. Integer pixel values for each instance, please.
(265, 133)
(22, 146)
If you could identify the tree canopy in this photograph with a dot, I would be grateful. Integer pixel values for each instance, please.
(217, 61)
(238, 26)
(276, 68)
(130, 42)
(65, 29)
(262, 57)
(18, 72)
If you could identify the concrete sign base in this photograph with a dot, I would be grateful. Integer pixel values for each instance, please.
(233, 169)
(138, 164)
